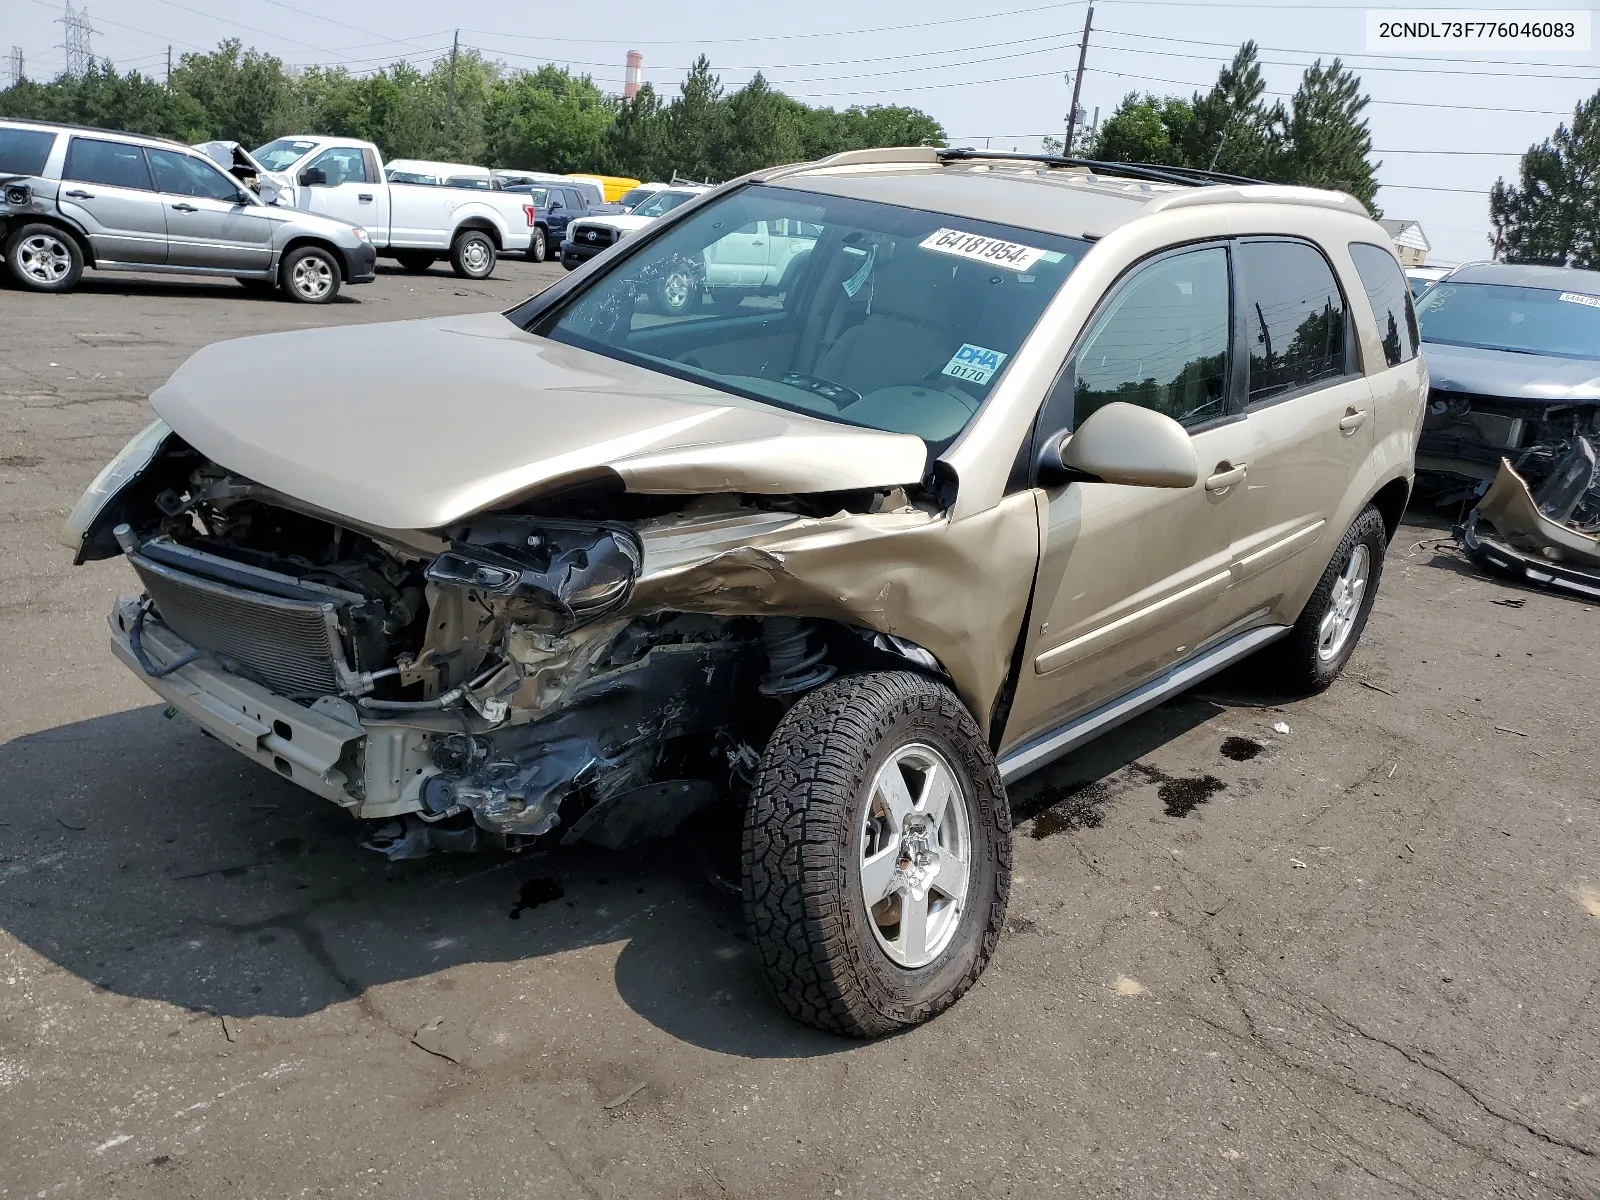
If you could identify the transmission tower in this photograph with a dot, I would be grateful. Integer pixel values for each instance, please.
(14, 67)
(76, 44)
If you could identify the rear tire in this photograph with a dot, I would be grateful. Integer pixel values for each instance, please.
(472, 255)
(310, 275)
(1329, 627)
(412, 261)
(43, 258)
(828, 829)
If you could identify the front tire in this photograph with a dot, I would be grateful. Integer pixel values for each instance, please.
(539, 248)
(877, 854)
(310, 275)
(42, 258)
(1329, 627)
(472, 255)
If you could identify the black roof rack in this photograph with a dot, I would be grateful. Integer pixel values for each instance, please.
(1186, 176)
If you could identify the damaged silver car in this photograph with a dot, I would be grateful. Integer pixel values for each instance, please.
(1020, 447)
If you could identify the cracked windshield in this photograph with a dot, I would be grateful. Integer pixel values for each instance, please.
(869, 314)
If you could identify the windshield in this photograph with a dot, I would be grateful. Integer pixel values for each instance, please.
(663, 202)
(283, 153)
(1493, 316)
(864, 313)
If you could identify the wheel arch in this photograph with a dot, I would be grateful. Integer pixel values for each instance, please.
(309, 239)
(481, 225)
(1390, 501)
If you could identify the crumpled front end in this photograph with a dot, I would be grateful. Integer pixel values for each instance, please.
(537, 673)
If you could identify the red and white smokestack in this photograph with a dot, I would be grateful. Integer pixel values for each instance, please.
(634, 75)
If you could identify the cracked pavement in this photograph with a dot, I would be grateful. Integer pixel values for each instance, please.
(1366, 963)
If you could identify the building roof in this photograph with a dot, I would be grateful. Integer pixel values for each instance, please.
(1406, 233)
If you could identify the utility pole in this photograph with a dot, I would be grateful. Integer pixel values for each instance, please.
(1077, 81)
(169, 66)
(450, 101)
(14, 67)
(75, 43)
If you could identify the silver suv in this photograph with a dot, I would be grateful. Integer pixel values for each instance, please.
(72, 197)
(1018, 449)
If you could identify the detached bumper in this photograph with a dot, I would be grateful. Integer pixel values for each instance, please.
(361, 264)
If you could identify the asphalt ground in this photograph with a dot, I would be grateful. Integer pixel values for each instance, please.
(1356, 959)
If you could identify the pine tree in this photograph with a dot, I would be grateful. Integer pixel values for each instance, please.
(1554, 216)
(1327, 138)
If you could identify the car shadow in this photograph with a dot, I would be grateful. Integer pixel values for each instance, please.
(155, 863)
(114, 283)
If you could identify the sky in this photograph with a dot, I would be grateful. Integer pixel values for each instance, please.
(1444, 127)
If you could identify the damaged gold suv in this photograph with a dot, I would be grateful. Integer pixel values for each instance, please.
(827, 506)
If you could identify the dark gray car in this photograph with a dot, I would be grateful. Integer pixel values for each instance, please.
(73, 197)
(1514, 367)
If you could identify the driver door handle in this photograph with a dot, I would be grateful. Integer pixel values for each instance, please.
(364, 197)
(1352, 418)
(185, 208)
(1225, 476)
(80, 194)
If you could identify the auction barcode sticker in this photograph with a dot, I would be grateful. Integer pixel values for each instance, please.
(994, 251)
(1407, 30)
(1580, 298)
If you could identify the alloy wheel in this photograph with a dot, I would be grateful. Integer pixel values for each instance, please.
(44, 258)
(916, 855)
(313, 277)
(1344, 605)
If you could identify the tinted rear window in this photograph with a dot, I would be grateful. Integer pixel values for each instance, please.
(23, 151)
(114, 164)
(1295, 317)
(1391, 301)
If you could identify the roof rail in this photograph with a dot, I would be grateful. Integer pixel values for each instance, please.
(1184, 176)
(1266, 193)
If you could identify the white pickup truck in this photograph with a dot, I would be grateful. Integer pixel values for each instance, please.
(415, 223)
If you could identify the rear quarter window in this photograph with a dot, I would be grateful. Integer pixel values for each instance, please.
(24, 151)
(1390, 297)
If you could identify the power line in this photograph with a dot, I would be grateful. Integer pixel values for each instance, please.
(1427, 58)
(1538, 112)
(1269, 62)
(774, 37)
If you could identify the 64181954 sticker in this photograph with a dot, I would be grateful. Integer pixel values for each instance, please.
(997, 252)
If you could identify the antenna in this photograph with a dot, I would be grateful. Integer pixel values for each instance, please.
(80, 57)
(14, 73)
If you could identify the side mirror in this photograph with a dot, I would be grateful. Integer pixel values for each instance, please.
(1122, 443)
(313, 177)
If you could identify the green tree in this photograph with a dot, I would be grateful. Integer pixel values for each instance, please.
(1553, 215)
(246, 95)
(1328, 141)
(765, 128)
(102, 97)
(547, 120)
(1233, 129)
(635, 143)
(1146, 129)
(697, 124)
